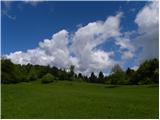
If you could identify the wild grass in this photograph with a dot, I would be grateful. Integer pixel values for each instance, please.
(68, 99)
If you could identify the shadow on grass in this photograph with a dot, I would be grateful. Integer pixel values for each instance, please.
(151, 86)
(112, 86)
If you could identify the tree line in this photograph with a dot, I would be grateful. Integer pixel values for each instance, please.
(147, 73)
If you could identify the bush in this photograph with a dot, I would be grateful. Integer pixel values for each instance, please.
(7, 78)
(32, 76)
(48, 78)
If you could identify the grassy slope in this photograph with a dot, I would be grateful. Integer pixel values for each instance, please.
(78, 100)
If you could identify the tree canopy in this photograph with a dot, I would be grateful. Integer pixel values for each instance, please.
(147, 73)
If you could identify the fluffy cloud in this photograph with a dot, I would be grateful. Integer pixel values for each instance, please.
(148, 21)
(82, 52)
(81, 47)
(148, 17)
(33, 56)
(50, 52)
(57, 48)
(127, 49)
(87, 38)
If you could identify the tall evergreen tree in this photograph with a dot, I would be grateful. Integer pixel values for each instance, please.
(72, 75)
(101, 77)
(93, 78)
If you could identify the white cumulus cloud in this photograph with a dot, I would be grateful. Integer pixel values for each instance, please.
(82, 52)
(81, 47)
(87, 38)
(127, 48)
(52, 52)
(148, 22)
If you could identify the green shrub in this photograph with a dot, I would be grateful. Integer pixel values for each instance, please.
(48, 78)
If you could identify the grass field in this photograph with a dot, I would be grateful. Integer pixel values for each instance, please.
(65, 99)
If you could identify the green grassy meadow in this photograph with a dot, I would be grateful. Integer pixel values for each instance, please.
(65, 99)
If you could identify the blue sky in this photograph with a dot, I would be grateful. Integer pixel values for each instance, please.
(34, 23)
(26, 24)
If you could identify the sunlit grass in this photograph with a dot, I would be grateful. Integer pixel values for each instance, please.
(64, 99)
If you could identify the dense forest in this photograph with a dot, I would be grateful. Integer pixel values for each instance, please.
(147, 73)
